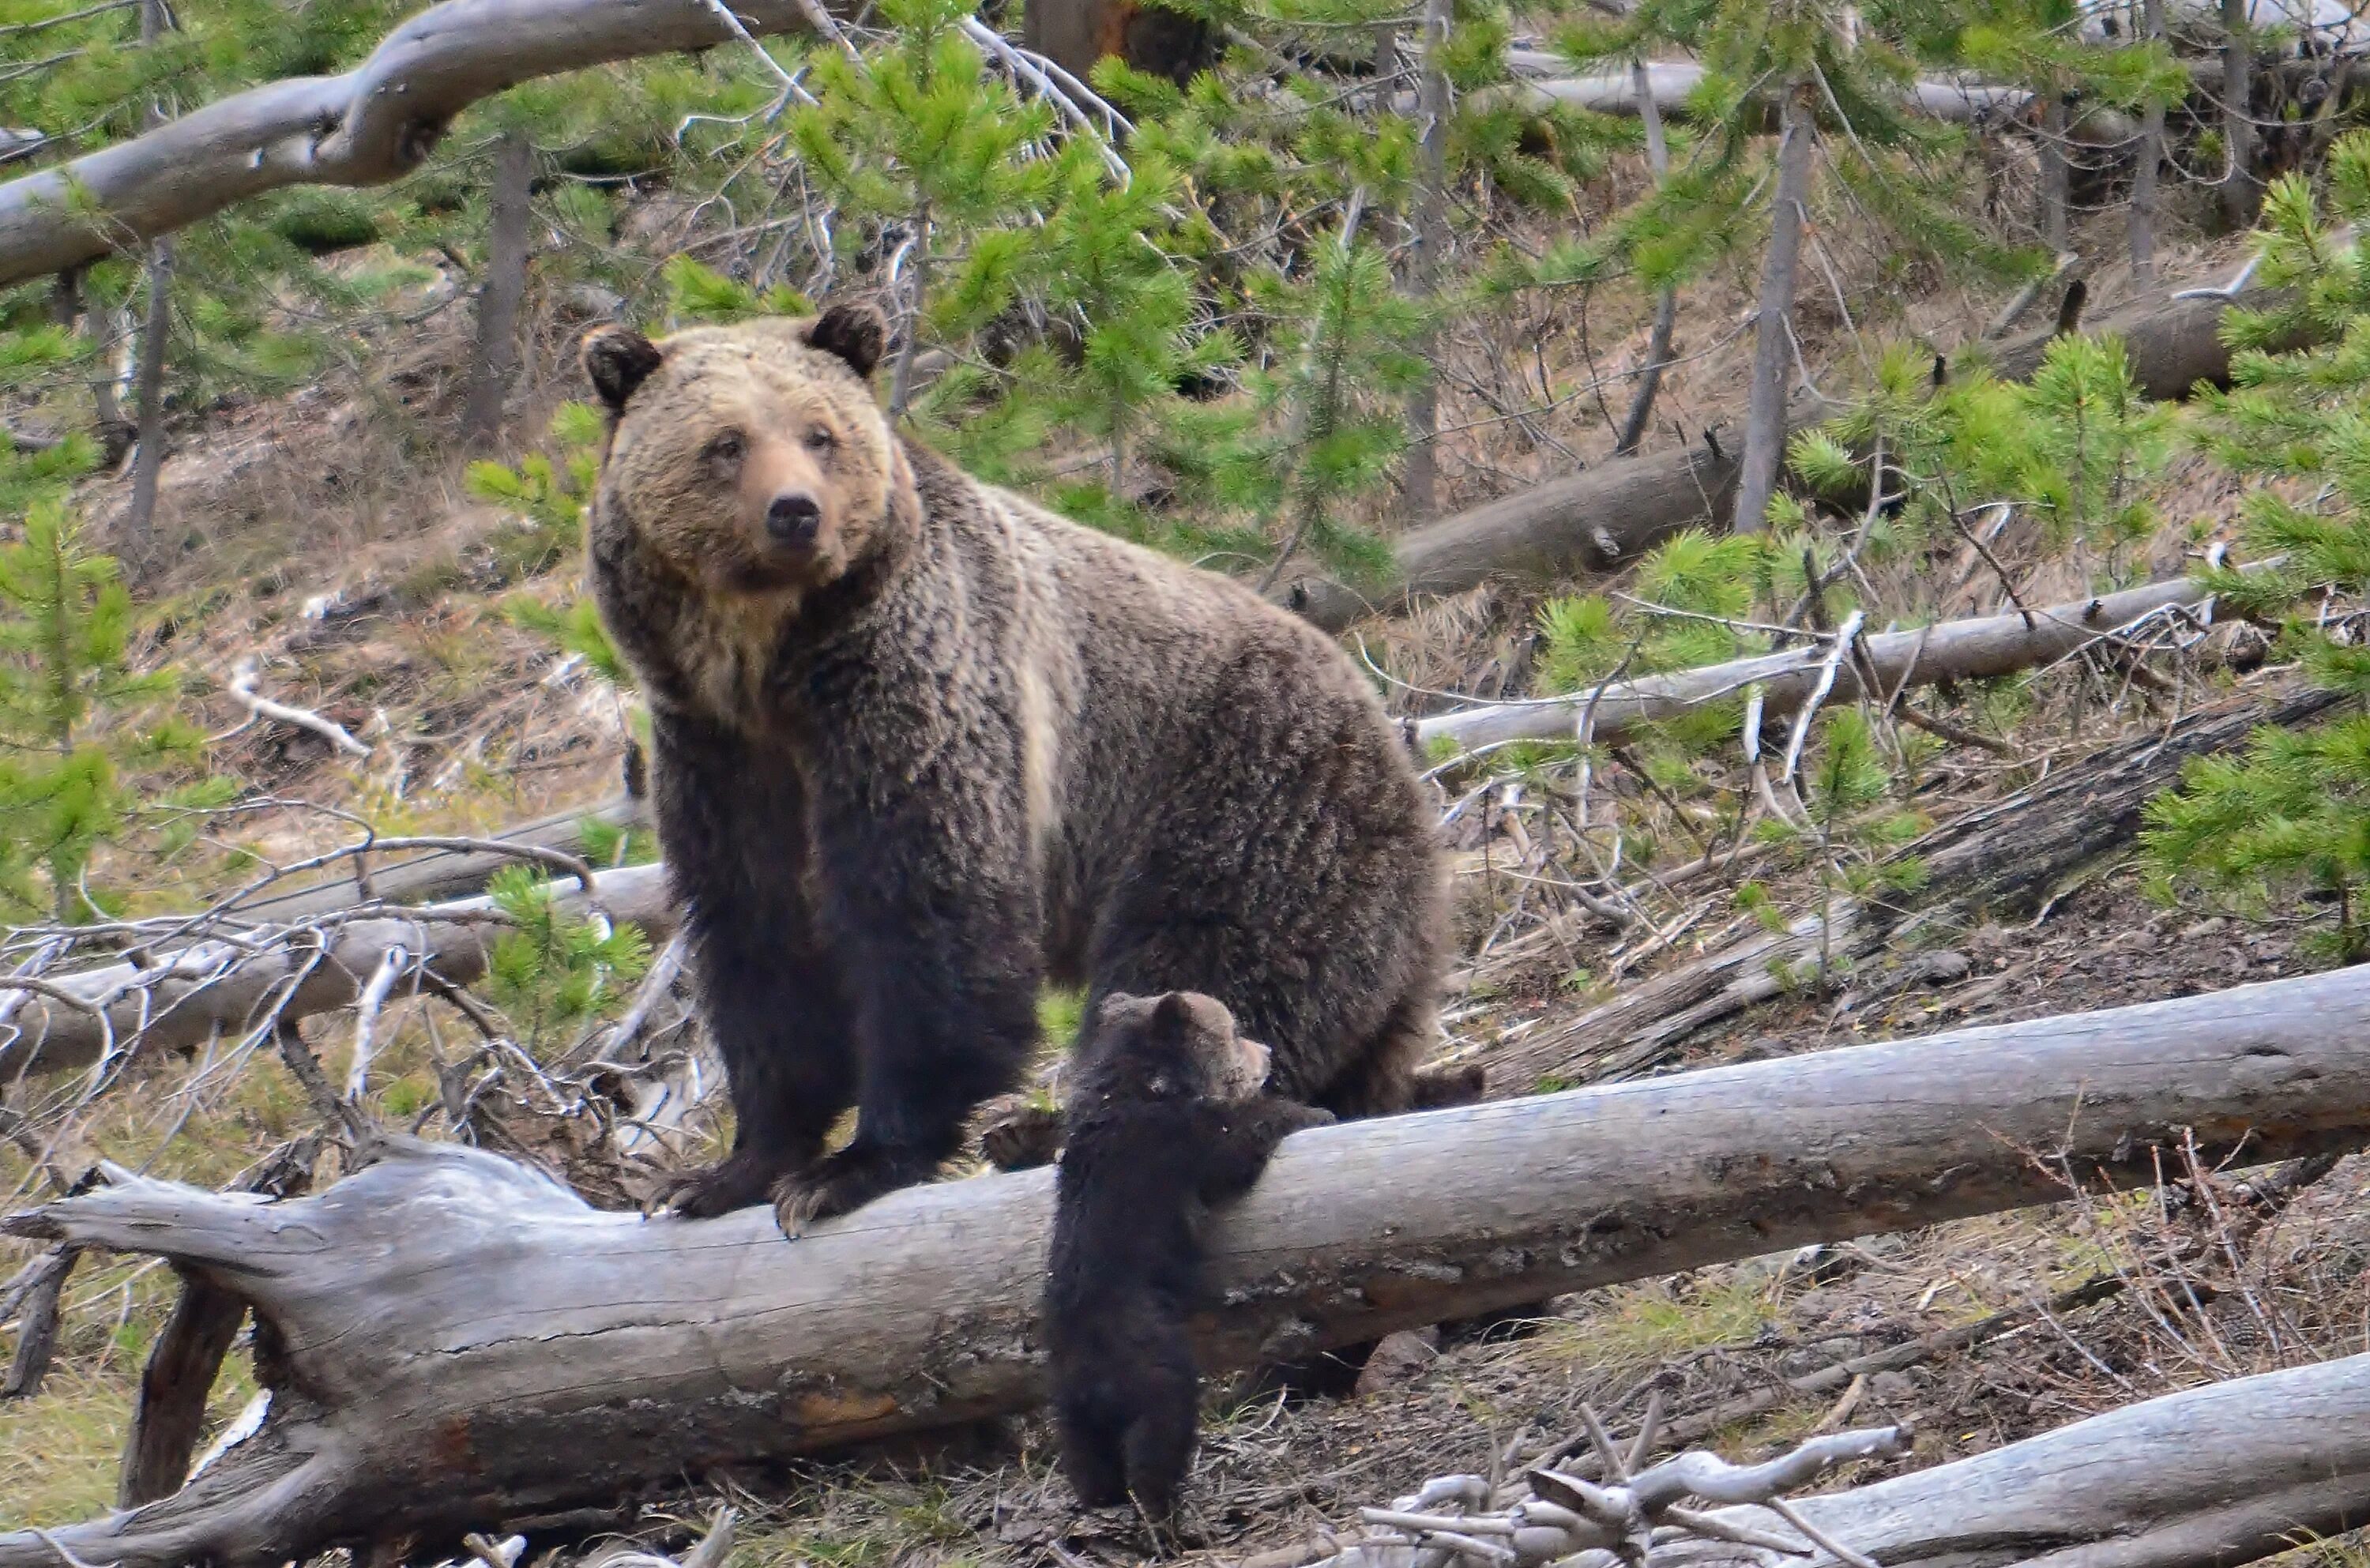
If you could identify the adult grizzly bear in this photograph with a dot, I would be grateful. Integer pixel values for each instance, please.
(919, 743)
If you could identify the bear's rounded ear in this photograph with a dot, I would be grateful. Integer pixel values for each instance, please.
(1174, 1015)
(617, 360)
(856, 333)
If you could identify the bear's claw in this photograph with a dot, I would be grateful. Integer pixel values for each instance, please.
(736, 1182)
(843, 1183)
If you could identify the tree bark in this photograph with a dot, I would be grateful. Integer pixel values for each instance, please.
(2205, 1477)
(453, 1341)
(1953, 651)
(1773, 324)
(2006, 857)
(2052, 172)
(2147, 161)
(1666, 308)
(1078, 34)
(148, 462)
(2239, 190)
(494, 362)
(1419, 480)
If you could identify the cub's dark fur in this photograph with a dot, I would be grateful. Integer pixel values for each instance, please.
(1164, 1116)
(918, 745)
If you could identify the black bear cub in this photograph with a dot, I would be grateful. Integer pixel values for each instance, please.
(1165, 1115)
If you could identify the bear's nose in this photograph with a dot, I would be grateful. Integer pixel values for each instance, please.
(794, 519)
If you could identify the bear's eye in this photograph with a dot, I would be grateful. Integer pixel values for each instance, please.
(821, 440)
(725, 449)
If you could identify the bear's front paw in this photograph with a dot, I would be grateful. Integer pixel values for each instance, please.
(740, 1182)
(843, 1183)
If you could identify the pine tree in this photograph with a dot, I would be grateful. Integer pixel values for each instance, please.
(84, 738)
(2293, 814)
(1831, 76)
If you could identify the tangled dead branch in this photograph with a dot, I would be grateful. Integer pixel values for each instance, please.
(1555, 1516)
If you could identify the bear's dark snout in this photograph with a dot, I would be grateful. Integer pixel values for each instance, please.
(793, 519)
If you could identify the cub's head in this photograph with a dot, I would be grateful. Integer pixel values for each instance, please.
(1178, 1046)
(750, 459)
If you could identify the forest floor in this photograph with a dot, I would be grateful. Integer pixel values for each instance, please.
(312, 536)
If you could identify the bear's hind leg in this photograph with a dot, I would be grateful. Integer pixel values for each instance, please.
(1159, 1447)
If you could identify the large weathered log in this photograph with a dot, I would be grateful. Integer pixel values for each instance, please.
(373, 125)
(2204, 1477)
(452, 1341)
(1952, 650)
(1601, 517)
(2006, 857)
(182, 997)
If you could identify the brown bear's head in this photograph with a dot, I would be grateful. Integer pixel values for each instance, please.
(1182, 1046)
(753, 459)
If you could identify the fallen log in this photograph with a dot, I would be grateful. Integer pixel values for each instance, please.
(1952, 650)
(1543, 78)
(2204, 1477)
(178, 998)
(418, 876)
(450, 1341)
(2006, 856)
(2201, 1478)
(1594, 521)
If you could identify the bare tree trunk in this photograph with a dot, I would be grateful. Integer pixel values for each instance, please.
(1420, 481)
(2149, 160)
(1666, 309)
(148, 462)
(2240, 191)
(1773, 326)
(459, 1342)
(2053, 171)
(494, 362)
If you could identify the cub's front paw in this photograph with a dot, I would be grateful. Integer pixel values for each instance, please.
(1028, 1137)
(843, 1183)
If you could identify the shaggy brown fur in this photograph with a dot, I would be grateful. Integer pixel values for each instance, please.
(920, 743)
(1165, 1117)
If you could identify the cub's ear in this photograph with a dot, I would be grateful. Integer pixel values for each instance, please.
(856, 333)
(1174, 1015)
(617, 360)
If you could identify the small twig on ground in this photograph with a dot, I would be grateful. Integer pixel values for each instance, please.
(1845, 635)
(242, 686)
(391, 965)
